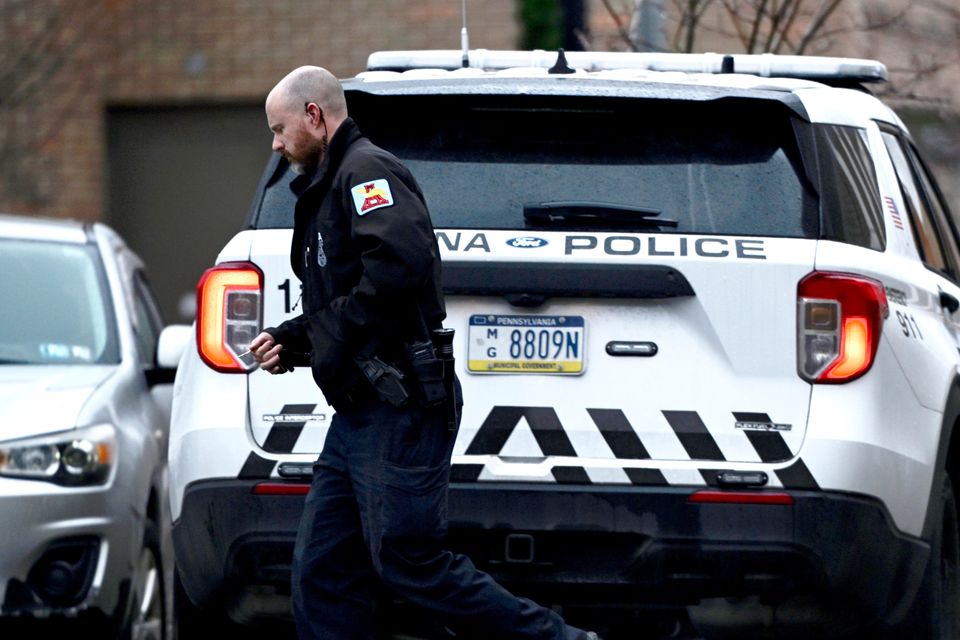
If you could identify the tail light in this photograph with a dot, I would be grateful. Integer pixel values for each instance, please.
(229, 315)
(840, 318)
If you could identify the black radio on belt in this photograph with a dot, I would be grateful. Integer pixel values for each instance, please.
(443, 343)
(386, 380)
(427, 370)
(432, 379)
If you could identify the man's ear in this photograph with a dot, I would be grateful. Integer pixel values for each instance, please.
(315, 113)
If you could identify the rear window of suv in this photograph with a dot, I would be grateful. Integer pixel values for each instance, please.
(729, 166)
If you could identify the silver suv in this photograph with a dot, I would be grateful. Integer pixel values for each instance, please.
(705, 311)
(84, 531)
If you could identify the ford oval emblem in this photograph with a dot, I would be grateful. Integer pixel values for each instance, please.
(527, 242)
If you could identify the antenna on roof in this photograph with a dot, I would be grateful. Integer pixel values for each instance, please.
(464, 38)
(561, 65)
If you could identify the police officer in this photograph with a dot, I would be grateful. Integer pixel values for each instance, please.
(364, 248)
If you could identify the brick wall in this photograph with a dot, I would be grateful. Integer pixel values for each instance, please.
(62, 62)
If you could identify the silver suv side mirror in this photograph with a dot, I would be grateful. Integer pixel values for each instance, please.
(173, 341)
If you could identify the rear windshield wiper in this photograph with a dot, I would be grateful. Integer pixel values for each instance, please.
(594, 213)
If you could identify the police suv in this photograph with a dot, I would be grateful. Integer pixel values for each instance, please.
(706, 325)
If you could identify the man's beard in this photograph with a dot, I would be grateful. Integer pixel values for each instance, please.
(297, 167)
(312, 157)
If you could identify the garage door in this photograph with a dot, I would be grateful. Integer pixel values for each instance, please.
(179, 186)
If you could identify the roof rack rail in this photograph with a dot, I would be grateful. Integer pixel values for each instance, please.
(769, 65)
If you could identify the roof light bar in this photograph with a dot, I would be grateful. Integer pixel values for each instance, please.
(767, 65)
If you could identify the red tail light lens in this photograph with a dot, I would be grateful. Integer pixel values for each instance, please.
(709, 496)
(228, 315)
(840, 318)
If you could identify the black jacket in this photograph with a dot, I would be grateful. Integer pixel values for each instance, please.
(364, 248)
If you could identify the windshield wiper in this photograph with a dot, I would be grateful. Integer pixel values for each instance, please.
(15, 361)
(594, 213)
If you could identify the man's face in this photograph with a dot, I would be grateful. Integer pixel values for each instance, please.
(293, 136)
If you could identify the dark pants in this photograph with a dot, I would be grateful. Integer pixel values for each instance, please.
(377, 512)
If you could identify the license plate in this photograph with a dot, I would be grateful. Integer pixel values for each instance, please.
(525, 344)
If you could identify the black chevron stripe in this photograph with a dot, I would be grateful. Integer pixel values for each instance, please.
(256, 468)
(797, 476)
(625, 444)
(646, 477)
(771, 447)
(283, 436)
(619, 434)
(696, 440)
(494, 431)
(693, 435)
(465, 472)
(553, 441)
(546, 428)
(548, 431)
(570, 475)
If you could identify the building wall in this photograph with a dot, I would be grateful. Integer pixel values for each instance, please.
(64, 62)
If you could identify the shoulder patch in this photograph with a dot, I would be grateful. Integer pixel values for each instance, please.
(372, 195)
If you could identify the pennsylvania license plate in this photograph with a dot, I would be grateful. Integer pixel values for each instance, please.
(525, 344)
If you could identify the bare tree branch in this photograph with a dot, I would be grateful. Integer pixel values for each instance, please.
(869, 26)
(755, 31)
(733, 13)
(624, 32)
(827, 7)
(777, 15)
(781, 37)
(950, 9)
(695, 11)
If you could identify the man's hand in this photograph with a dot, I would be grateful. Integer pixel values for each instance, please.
(266, 351)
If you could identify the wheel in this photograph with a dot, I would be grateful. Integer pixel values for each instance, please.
(936, 610)
(146, 619)
(188, 621)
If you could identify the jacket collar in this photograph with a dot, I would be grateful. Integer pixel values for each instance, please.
(347, 133)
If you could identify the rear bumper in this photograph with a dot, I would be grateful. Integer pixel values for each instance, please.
(629, 546)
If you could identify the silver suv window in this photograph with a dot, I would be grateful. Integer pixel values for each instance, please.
(56, 307)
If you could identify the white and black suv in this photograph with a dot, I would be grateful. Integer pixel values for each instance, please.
(706, 324)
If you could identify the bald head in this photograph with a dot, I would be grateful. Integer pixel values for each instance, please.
(311, 84)
(304, 111)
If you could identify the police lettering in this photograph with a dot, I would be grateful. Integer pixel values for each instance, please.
(675, 246)
(477, 241)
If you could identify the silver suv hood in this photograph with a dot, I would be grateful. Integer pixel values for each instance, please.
(40, 399)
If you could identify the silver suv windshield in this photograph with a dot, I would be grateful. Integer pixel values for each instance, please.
(56, 308)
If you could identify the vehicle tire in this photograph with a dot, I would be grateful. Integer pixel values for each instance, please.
(936, 611)
(188, 621)
(146, 616)
(192, 623)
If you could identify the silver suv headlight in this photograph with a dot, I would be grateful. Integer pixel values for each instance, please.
(73, 458)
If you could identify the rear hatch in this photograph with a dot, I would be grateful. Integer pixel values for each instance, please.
(621, 273)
